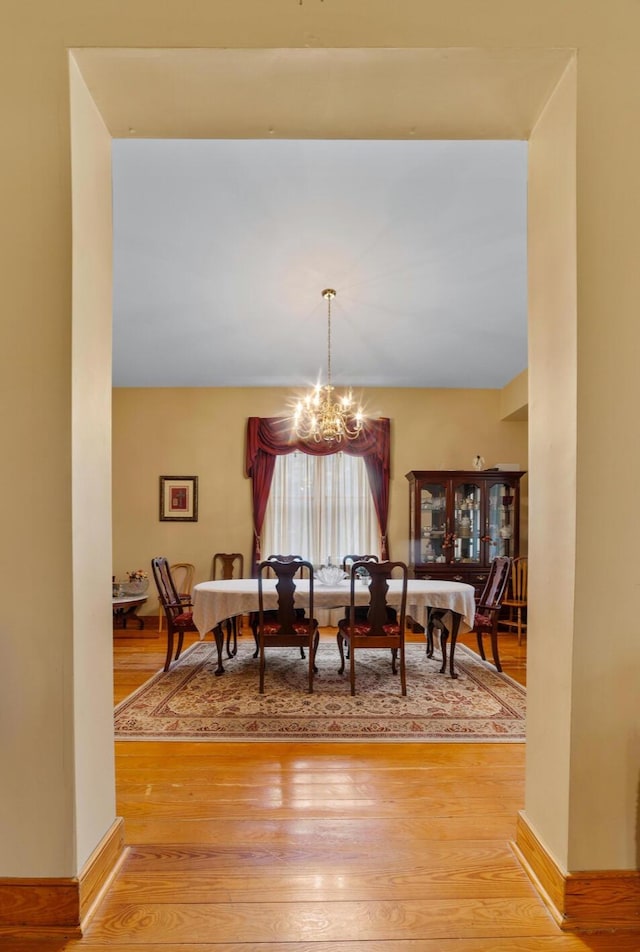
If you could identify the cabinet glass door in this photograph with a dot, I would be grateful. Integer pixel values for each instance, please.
(501, 526)
(467, 501)
(433, 522)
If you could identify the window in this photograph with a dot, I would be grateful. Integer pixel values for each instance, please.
(320, 507)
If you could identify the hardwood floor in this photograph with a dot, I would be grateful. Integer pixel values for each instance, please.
(318, 847)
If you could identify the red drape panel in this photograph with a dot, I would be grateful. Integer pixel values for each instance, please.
(268, 437)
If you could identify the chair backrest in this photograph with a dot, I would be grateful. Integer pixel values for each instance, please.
(350, 559)
(182, 574)
(167, 592)
(287, 558)
(496, 584)
(224, 565)
(285, 571)
(519, 572)
(380, 573)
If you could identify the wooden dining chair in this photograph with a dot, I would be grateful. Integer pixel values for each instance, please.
(515, 601)
(253, 618)
(348, 560)
(490, 605)
(376, 630)
(285, 627)
(177, 612)
(362, 610)
(182, 574)
(226, 565)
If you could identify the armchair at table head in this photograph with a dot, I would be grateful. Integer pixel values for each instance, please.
(226, 565)
(286, 626)
(377, 629)
(177, 612)
(182, 574)
(490, 604)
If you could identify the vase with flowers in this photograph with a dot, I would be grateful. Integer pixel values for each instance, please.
(137, 583)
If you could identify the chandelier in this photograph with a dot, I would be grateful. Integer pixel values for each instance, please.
(321, 415)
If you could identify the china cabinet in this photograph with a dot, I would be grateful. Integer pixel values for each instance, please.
(459, 521)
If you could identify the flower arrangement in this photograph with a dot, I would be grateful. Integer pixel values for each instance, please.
(137, 576)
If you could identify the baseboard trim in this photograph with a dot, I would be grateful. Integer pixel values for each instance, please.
(61, 906)
(586, 901)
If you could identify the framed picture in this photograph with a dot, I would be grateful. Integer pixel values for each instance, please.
(178, 499)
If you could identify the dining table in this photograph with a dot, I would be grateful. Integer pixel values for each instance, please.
(214, 602)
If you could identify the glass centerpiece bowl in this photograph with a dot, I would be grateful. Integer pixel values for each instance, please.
(135, 585)
(330, 575)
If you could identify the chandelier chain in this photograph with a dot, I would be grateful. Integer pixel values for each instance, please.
(328, 294)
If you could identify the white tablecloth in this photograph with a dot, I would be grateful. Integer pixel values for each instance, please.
(215, 601)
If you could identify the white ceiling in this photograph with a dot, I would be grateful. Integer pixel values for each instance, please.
(222, 248)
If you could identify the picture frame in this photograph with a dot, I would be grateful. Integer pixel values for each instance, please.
(178, 499)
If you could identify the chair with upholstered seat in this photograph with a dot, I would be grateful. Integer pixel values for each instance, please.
(376, 630)
(226, 565)
(271, 614)
(516, 598)
(182, 574)
(490, 604)
(177, 612)
(286, 626)
(361, 611)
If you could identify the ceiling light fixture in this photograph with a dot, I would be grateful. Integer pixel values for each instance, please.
(319, 416)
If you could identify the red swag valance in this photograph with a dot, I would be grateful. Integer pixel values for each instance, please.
(268, 437)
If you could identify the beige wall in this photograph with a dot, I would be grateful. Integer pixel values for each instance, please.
(93, 776)
(552, 534)
(202, 433)
(466, 94)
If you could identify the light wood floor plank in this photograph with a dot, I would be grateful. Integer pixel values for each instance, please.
(258, 847)
(329, 921)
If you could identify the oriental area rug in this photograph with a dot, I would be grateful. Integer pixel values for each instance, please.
(189, 702)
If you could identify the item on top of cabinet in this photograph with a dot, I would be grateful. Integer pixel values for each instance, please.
(478, 463)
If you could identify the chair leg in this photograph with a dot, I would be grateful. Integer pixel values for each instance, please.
(494, 646)
(352, 668)
(261, 668)
(403, 672)
(480, 645)
(519, 624)
(160, 617)
(253, 622)
(179, 648)
(313, 647)
(169, 650)
(340, 641)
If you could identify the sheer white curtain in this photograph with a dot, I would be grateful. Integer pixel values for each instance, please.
(320, 507)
